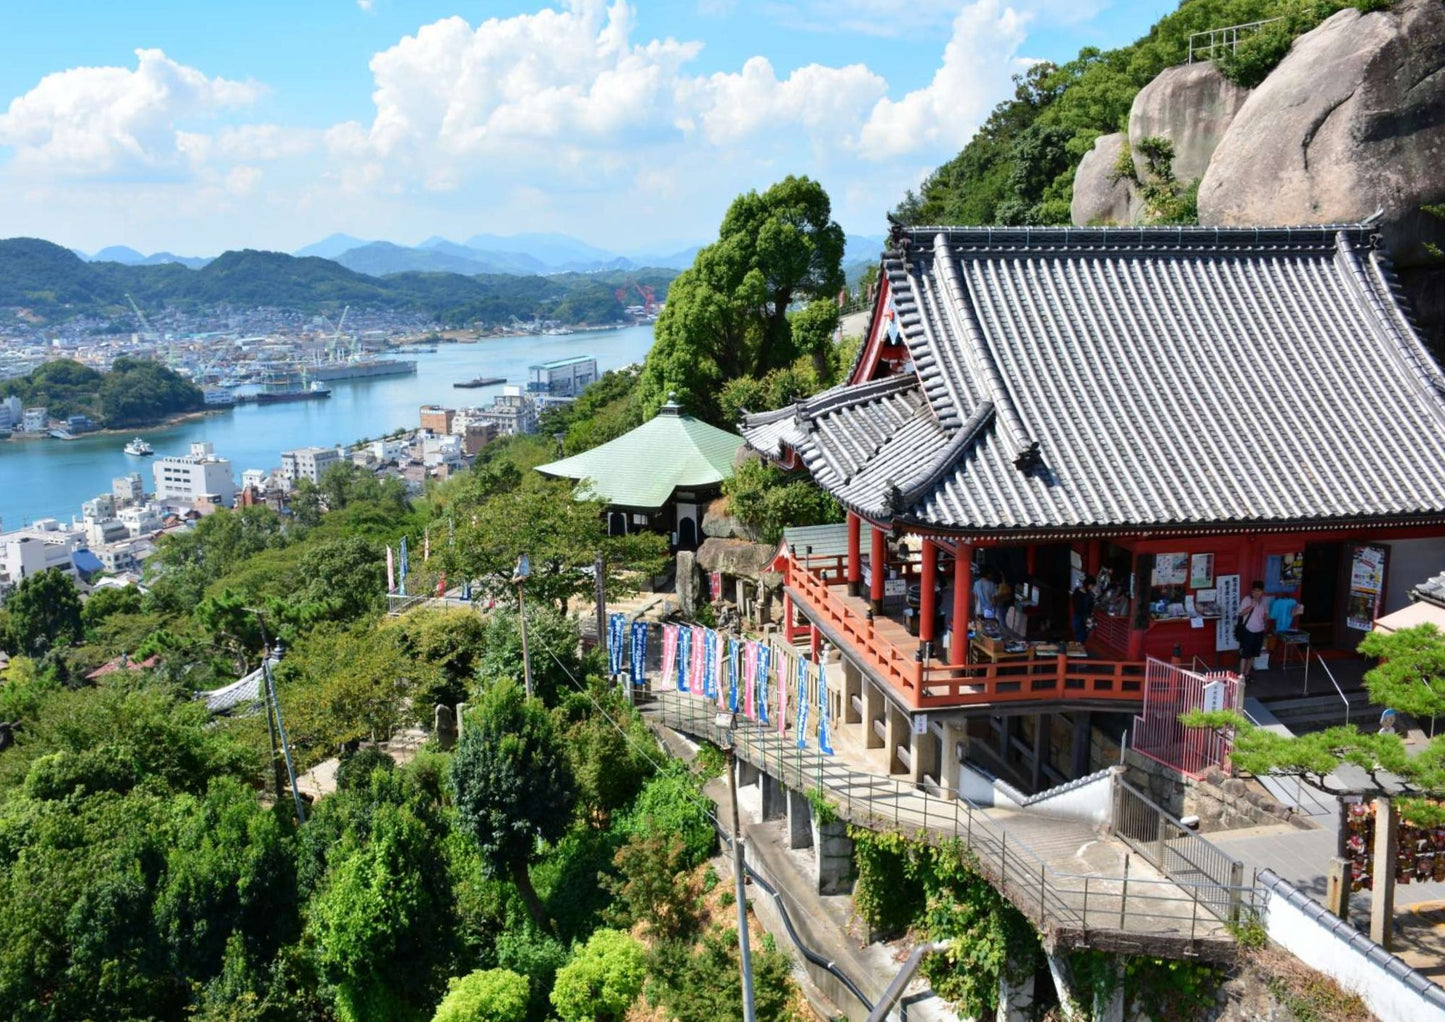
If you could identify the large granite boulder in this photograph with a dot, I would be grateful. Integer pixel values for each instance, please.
(1352, 120)
(1101, 196)
(1191, 105)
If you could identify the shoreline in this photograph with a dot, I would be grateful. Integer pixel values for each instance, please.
(174, 420)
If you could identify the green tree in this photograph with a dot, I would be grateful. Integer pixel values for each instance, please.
(768, 500)
(104, 603)
(487, 995)
(728, 315)
(602, 980)
(512, 785)
(561, 535)
(452, 641)
(1410, 676)
(43, 613)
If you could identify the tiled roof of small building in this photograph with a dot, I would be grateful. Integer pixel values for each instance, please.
(643, 467)
(1432, 590)
(1107, 377)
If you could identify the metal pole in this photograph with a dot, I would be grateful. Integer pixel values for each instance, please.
(744, 953)
(526, 656)
(285, 745)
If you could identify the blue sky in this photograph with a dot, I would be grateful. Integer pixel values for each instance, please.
(195, 127)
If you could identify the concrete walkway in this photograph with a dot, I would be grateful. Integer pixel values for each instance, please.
(1074, 885)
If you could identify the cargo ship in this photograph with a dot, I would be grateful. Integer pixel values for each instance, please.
(316, 390)
(481, 381)
(361, 369)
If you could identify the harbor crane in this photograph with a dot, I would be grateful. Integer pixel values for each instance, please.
(147, 332)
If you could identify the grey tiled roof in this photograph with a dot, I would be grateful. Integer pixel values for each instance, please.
(1106, 377)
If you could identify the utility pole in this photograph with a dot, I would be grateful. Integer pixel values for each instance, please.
(524, 569)
(744, 953)
(599, 578)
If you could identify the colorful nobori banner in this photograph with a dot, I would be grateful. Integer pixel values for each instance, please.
(825, 733)
(696, 662)
(709, 663)
(401, 585)
(670, 641)
(616, 631)
(765, 662)
(684, 659)
(783, 674)
(750, 679)
(735, 655)
(639, 654)
(801, 673)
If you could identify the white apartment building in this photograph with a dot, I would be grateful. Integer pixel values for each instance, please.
(442, 450)
(44, 545)
(388, 450)
(513, 412)
(189, 477)
(11, 412)
(141, 519)
(35, 419)
(128, 489)
(98, 509)
(308, 463)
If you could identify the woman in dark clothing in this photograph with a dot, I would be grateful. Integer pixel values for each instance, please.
(1082, 607)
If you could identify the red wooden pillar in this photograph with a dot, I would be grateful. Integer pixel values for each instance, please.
(927, 609)
(815, 643)
(1031, 559)
(962, 600)
(1093, 555)
(787, 618)
(879, 568)
(855, 555)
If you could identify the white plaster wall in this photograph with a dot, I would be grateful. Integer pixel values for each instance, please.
(1091, 802)
(1322, 948)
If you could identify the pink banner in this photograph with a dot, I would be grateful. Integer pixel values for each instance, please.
(698, 661)
(669, 653)
(722, 672)
(750, 679)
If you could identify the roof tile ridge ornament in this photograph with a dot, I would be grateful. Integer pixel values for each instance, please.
(1025, 450)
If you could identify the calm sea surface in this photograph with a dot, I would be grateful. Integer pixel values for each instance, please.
(50, 478)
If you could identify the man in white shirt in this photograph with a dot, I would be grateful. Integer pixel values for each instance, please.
(985, 595)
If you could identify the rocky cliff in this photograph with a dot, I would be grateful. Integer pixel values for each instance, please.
(1350, 122)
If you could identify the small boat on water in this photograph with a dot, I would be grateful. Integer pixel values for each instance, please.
(139, 448)
(481, 381)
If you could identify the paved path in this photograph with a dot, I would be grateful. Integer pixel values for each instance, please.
(1075, 886)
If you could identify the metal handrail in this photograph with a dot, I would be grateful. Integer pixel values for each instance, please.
(1331, 675)
(1031, 883)
(1226, 37)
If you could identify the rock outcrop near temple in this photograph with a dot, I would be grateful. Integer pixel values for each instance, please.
(1100, 195)
(1351, 121)
(1192, 106)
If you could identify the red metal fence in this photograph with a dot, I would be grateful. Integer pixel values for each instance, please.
(1170, 691)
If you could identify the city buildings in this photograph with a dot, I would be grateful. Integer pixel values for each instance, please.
(563, 377)
(513, 412)
(44, 545)
(307, 463)
(34, 419)
(189, 478)
(127, 489)
(436, 419)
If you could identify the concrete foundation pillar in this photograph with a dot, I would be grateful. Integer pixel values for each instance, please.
(775, 798)
(1382, 895)
(1063, 975)
(747, 774)
(1079, 753)
(1040, 752)
(834, 857)
(921, 748)
(852, 686)
(800, 820)
(1015, 998)
(873, 710)
(895, 734)
(953, 737)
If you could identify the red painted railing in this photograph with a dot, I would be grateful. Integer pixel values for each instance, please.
(932, 685)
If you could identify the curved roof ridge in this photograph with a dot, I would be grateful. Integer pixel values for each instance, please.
(1304, 236)
(945, 460)
(1024, 448)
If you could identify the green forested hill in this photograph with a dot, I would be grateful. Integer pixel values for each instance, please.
(1019, 167)
(53, 283)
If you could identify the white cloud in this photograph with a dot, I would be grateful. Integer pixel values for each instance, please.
(101, 121)
(978, 64)
(554, 120)
(366, 5)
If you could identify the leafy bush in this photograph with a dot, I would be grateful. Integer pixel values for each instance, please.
(602, 980)
(487, 995)
(356, 769)
(768, 499)
(672, 803)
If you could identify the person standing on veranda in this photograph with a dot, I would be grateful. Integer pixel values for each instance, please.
(1253, 624)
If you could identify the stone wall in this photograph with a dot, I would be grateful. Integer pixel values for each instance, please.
(1221, 803)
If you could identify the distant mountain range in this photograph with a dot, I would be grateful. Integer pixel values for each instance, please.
(56, 284)
(522, 254)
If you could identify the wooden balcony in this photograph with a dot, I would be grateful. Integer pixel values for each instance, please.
(885, 647)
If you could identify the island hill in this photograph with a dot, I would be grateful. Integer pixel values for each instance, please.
(43, 282)
(136, 392)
